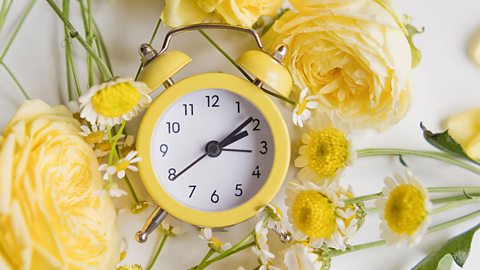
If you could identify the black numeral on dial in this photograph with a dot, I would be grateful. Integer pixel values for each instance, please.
(256, 122)
(163, 149)
(214, 198)
(256, 172)
(238, 106)
(171, 173)
(212, 101)
(193, 187)
(187, 109)
(173, 127)
(238, 190)
(264, 149)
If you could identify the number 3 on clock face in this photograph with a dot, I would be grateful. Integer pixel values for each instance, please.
(214, 154)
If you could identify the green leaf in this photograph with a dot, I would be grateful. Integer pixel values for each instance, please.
(458, 247)
(416, 53)
(446, 143)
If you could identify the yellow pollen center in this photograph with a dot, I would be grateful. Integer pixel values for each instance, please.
(314, 214)
(121, 166)
(103, 146)
(327, 152)
(405, 209)
(116, 100)
(94, 137)
(301, 107)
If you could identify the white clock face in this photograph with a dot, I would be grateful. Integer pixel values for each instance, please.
(198, 163)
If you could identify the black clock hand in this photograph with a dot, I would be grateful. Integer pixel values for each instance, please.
(189, 166)
(233, 136)
(237, 150)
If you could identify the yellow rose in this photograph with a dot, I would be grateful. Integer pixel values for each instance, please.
(464, 127)
(234, 12)
(51, 213)
(352, 54)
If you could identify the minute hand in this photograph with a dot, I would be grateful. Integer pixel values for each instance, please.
(233, 136)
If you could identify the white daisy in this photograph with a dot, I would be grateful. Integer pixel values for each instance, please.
(113, 190)
(122, 165)
(405, 210)
(300, 257)
(213, 242)
(305, 103)
(326, 149)
(93, 134)
(171, 227)
(112, 102)
(319, 215)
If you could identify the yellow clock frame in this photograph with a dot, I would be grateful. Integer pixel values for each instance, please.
(280, 136)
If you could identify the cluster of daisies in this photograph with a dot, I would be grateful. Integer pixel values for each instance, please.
(324, 215)
(104, 111)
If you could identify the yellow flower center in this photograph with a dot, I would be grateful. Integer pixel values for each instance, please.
(103, 146)
(405, 209)
(314, 214)
(327, 152)
(301, 107)
(94, 137)
(116, 100)
(121, 166)
(215, 244)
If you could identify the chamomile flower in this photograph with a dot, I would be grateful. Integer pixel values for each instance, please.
(305, 103)
(326, 149)
(214, 243)
(112, 102)
(94, 134)
(300, 257)
(113, 190)
(126, 145)
(130, 267)
(319, 215)
(168, 227)
(405, 210)
(122, 165)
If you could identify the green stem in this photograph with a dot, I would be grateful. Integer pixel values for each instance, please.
(68, 69)
(15, 80)
(225, 54)
(364, 198)
(74, 34)
(455, 198)
(234, 249)
(99, 51)
(466, 189)
(72, 67)
(17, 28)
(132, 192)
(441, 226)
(4, 11)
(453, 204)
(428, 154)
(103, 47)
(157, 253)
(454, 189)
(453, 222)
(159, 22)
(207, 256)
(225, 255)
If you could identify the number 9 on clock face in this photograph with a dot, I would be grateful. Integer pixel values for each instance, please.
(215, 150)
(216, 182)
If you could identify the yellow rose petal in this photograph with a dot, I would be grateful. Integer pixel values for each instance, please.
(178, 13)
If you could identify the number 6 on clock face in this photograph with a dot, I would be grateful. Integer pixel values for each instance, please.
(215, 150)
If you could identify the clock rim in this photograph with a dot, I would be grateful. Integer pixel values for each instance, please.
(281, 157)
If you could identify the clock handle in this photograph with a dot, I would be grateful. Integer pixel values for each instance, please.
(202, 26)
(153, 221)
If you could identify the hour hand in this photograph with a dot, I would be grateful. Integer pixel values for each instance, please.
(229, 140)
(233, 136)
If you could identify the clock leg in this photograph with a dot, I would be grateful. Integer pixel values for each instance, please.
(157, 216)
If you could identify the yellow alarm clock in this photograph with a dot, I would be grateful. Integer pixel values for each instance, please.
(215, 147)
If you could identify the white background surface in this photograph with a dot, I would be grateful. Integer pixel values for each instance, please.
(446, 82)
